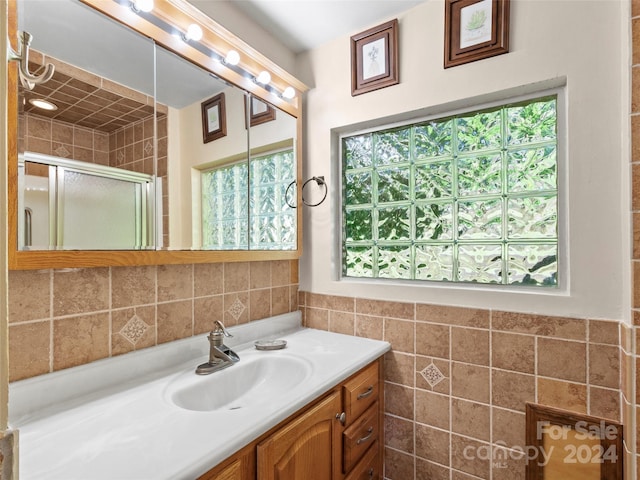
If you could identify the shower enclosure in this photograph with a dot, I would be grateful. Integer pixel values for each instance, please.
(69, 205)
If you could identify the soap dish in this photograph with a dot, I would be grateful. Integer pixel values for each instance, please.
(270, 344)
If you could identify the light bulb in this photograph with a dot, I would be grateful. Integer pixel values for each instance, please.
(263, 78)
(232, 58)
(194, 32)
(142, 5)
(289, 93)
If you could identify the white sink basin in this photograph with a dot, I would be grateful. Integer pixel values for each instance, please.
(253, 381)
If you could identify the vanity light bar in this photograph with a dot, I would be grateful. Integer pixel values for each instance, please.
(194, 34)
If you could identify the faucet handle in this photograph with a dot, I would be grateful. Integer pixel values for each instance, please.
(219, 327)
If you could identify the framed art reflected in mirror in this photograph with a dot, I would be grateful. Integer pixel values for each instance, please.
(214, 120)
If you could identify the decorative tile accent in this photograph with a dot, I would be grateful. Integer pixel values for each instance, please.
(148, 147)
(61, 151)
(134, 329)
(236, 309)
(120, 156)
(432, 375)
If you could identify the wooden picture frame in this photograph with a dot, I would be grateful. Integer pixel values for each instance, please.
(474, 30)
(374, 58)
(259, 111)
(563, 445)
(214, 118)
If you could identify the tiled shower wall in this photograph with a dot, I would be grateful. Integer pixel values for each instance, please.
(457, 379)
(63, 318)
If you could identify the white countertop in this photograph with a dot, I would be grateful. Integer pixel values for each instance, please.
(115, 419)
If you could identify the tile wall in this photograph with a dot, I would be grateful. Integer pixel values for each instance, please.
(63, 318)
(458, 379)
(631, 380)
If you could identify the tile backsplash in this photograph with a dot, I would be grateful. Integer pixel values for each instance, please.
(457, 379)
(63, 318)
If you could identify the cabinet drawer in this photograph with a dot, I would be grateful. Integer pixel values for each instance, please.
(357, 438)
(361, 392)
(369, 467)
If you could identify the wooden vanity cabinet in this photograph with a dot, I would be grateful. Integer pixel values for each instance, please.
(337, 437)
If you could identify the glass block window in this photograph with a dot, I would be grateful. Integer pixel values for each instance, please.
(467, 198)
(244, 207)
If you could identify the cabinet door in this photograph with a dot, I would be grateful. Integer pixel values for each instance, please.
(308, 447)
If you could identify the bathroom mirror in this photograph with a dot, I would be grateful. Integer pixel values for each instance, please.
(160, 167)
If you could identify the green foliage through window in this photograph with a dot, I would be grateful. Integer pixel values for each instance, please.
(468, 198)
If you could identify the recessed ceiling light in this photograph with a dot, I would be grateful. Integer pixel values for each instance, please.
(43, 104)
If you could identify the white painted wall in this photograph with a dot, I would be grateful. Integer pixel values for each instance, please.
(583, 44)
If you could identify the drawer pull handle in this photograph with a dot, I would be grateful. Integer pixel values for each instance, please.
(341, 417)
(366, 394)
(365, 438)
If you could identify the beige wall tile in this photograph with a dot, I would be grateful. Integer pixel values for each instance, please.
(464, 317)
(236, 308)
(29, 295)
(400, 334)
(511, 351)
(280, 273)
(568, 396)
(508, 464)
(444, 385)
(293, 298)
(132, 286)
(432, 444)
(398, 400)
(432, 340)
(79, 340)
(432, 409)
(508, 427)
(470, 382)
(208, 279)
(80, 291)
(236, 277)
(470, 345)
(174, 320)
(132, 329)
(259, 275)
(562, 359)
(398, 433)
(399, 368)
(561, 327)
(604, 365)
(474, 461)
(259, 304)
(604, 402)
(295, 271)
(382, 308)
(342, 322)
(398, 465)
(369, 327)
(175, 282)
(317, 318)
(601, 331)
(470, 419)
(512, 390)
(206, 310)
(280, 299)
(25, 340)
(431, 471)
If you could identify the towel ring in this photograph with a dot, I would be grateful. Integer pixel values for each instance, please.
(319, 181)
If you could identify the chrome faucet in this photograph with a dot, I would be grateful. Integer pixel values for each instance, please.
(220, 356)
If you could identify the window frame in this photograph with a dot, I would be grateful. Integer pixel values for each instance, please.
(478, 104)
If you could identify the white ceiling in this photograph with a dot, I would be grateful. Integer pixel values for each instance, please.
(305, 24)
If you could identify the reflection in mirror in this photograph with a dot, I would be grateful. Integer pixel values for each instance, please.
(271, 173)
(86, 170)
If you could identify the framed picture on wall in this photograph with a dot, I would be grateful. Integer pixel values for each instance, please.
(474, 30)
(259, 111)
(374, 58)
(214, 119)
